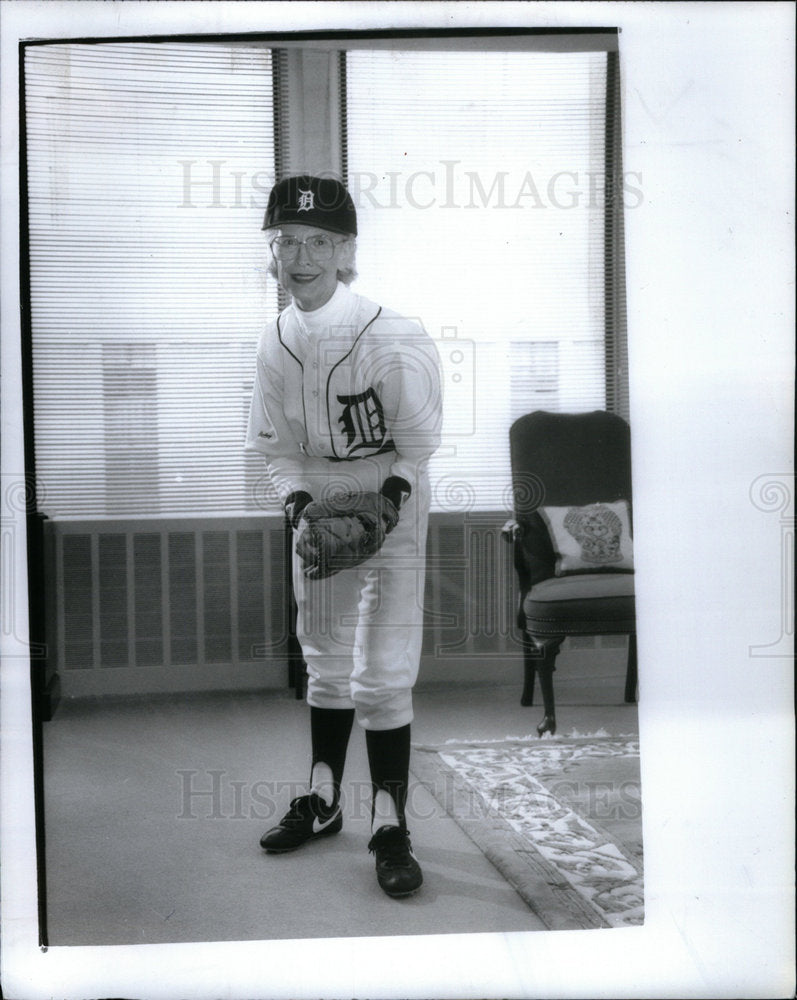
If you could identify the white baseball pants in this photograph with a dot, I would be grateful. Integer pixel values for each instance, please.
(361, 630)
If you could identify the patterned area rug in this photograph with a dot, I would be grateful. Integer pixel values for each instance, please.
(561, 819)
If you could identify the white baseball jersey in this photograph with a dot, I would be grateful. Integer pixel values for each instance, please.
(350, 380)
(344, 397)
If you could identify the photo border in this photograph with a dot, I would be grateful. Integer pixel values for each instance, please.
(708, 112)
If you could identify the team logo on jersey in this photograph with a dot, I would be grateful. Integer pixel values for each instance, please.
(306, 201)
(362, 421)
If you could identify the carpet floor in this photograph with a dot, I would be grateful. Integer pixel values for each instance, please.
(154, 808)
(554, 817)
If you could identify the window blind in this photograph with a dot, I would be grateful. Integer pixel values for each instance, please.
(148, 168)
(483, 181)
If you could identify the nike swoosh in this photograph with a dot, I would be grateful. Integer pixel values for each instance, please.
(319, 825)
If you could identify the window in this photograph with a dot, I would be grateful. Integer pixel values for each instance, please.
(534, 376)
(487, 186)
(148, 165)
(480, 180)
(129, 395)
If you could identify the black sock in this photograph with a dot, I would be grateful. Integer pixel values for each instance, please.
(330, 729)
(389, 760)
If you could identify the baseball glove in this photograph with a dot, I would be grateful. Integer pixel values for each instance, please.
(343, 531)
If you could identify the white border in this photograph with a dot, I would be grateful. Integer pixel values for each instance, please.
(709, 107)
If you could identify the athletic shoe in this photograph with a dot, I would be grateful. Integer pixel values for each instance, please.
(397, 869)
(308, 817)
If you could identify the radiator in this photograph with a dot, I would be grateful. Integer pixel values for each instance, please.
(145, 606)
(166, 605)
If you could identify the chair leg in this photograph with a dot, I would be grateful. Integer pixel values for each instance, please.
(530, 657)
(547, 649)
(631, 678)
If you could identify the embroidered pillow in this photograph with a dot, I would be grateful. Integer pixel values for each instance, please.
(591, 539)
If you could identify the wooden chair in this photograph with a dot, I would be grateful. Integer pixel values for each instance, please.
(577, 579)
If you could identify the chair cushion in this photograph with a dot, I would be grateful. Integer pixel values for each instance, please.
(582, 604)
(591, 539)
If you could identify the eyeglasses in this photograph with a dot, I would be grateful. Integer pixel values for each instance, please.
(319, 247)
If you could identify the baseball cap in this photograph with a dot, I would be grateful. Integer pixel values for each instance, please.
(312, 201)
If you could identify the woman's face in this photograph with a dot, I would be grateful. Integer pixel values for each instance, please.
(306, 276)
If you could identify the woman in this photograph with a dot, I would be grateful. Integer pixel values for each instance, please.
(347, 399)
